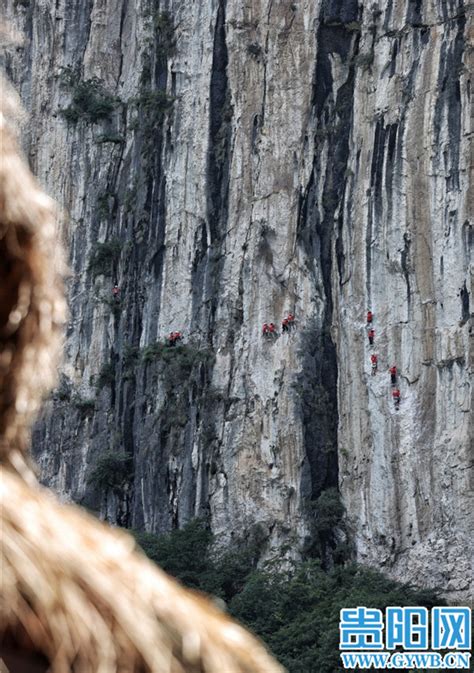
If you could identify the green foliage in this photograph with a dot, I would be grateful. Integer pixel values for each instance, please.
(156, 351)
(183, 553)
(187, 555)
(103, 204)
(114, 304)
(114, 138)
(295, 612)
(180, 358)
(130, 357)
(254, 48)
(151, 107)
(106, 375)
(163, 30)
(112, 472)
(84, 405)
(221, 142)
(364, 60)
(69, 76)
(104, 256)
(62, 394)
(325, 515)
(327, 511)
(353, 26)
(90, 100)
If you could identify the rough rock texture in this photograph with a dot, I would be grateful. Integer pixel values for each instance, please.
(261, 158)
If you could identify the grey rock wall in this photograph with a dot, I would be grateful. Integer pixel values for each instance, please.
(243, 161)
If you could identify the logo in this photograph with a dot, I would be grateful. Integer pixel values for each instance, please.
(405, 638)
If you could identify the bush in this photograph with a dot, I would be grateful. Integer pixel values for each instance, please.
(104, 256)
(114, 138)
(112, 472)
(353, 26)
(85, 406)
(130, 356)
(90, 100)
(327, 511)
(155, 351)
(183, 553)
(114, 304)
(186, 554)
(163, 29)
(182, 357)
(63, 392)
(151, 107)
(106, 375)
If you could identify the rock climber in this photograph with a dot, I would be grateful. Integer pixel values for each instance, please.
(116, 291)
(371, 335)
(171, 339)
(284, 325)
(291, 320)
(265, 329)
(178, 336)
(373, 359)
(393, 374)
(272, 329)
(370, 316)
(396, 397)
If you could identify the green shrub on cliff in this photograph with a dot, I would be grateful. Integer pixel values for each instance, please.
(106, 376)
(111, 472)
(90, 101)
(104, 256)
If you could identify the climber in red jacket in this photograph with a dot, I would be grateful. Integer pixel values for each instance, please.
(116, 291)
(396, 397)
(265, 329)
(272, 329)
(393, 374)
(171, 339)
(370, 316)
(374, 359)
(371, 335)
(284, 325)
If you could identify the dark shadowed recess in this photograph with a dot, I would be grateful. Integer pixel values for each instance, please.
(321, 239)
(209, 254)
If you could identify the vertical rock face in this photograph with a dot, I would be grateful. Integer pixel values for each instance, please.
(225, 164)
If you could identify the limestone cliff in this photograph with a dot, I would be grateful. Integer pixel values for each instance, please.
(225, 163)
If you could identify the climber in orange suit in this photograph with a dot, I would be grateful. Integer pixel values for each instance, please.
(396, 397)
(370, 316)
(374, 359)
